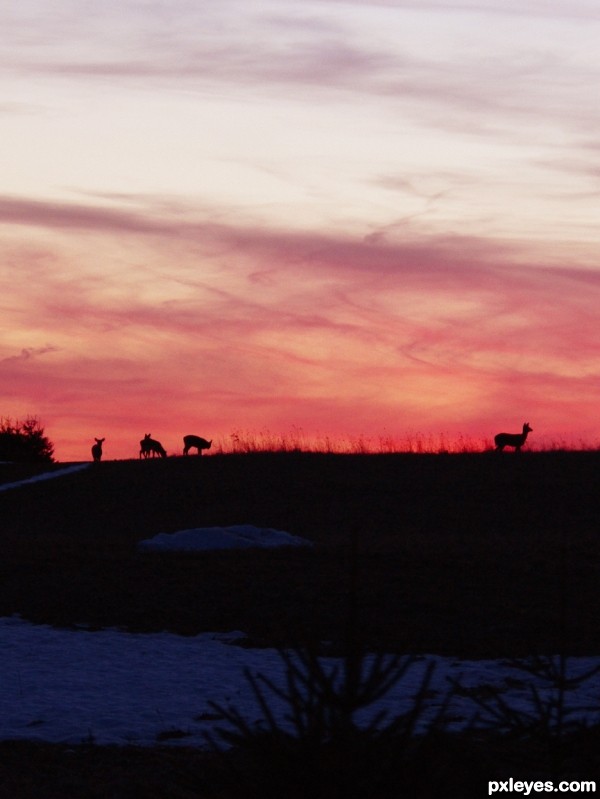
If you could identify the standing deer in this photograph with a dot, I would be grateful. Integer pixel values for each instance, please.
(189, 442)
(149, 445)
(97, 449)
(515, 440)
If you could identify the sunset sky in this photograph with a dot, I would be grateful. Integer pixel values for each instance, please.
(347, 218)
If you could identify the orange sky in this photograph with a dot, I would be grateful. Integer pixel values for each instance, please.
(342, 218)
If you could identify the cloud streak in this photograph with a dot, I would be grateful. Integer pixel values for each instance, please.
(27, 353)
(242, 46)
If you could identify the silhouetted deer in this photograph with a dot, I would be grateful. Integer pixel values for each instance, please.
(189, 442)
(150, 446)
(97, 449)
(515, 440)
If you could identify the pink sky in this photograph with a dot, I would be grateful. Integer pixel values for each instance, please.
(345, 218)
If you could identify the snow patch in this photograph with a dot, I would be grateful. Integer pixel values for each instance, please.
(242, 536)
(45, 476)
(114, 687)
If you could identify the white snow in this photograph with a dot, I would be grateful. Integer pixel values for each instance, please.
(45, 476)
(111, 686)
(242, 536)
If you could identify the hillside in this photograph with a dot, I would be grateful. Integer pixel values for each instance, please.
(471, 555)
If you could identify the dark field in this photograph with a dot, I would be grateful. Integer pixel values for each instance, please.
(471, 555)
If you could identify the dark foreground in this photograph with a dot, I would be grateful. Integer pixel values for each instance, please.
(460, 768)
(468, 555)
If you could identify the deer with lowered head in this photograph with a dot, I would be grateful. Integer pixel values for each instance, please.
(515, 440)
(189, 442)
(148, 446)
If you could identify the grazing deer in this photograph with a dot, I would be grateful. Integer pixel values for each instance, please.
(515, 440)
(190, 442)
(150, 446)
(97, 449)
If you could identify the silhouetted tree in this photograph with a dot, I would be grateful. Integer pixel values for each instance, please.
(24, 441)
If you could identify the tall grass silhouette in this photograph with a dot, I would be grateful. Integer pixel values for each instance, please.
(296, 440)
(416, 442)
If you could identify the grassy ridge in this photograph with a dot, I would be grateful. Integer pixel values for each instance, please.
(469, 555)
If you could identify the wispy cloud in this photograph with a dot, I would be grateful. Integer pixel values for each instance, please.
(28, 353)
(195, 46)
